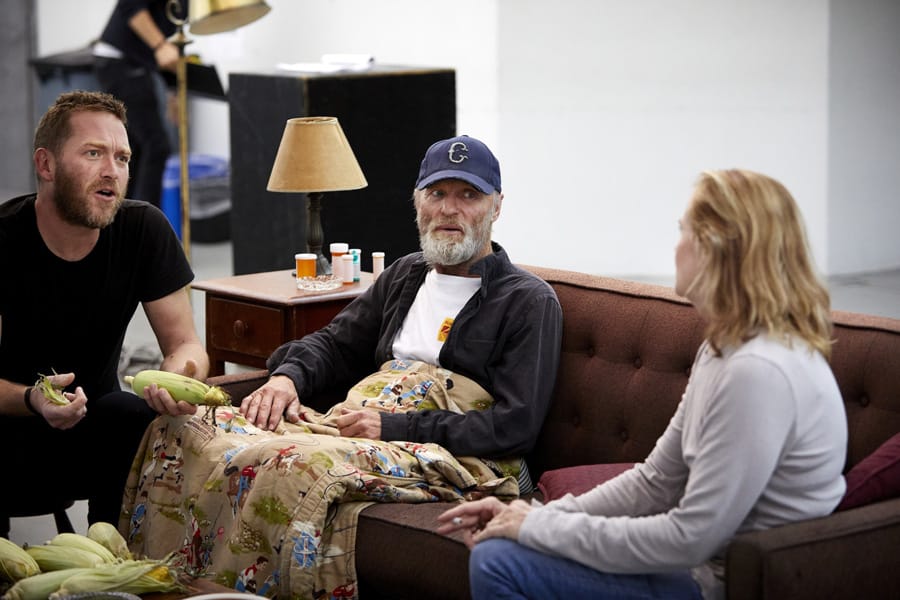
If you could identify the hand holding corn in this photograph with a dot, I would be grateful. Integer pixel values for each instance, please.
(60, 409)
(180, 388)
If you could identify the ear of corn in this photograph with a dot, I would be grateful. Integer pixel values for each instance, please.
(136, 577)
(41, 586)
(51, 392)
(56, 558)
(15, 563)
(84, 543)
(180, 387)
(109, 537)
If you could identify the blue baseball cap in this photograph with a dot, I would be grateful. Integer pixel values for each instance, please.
(460, 157)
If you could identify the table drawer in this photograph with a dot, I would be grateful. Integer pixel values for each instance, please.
(246, 328)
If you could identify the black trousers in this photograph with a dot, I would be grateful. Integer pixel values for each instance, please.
(135, 85)
(90, 461)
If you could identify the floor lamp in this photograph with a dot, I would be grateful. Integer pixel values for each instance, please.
(205, 17)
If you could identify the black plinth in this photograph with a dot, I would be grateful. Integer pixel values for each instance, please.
(390, 116)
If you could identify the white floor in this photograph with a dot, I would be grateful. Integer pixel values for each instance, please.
(874, 293)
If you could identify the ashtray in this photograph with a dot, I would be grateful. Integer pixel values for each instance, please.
(322, 283)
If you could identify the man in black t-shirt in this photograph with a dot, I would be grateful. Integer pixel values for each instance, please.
(76, 259)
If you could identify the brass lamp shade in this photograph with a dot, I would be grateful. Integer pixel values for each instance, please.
(216, 16)
(314, 156)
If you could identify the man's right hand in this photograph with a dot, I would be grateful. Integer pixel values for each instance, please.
(167, 56)
(61, 416)
(265, 407)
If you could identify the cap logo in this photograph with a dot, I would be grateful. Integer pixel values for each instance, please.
(455, 152)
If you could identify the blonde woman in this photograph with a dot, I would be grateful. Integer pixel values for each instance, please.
(758, 440)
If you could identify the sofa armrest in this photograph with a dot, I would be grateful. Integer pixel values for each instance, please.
(238, 385)
(849, 554)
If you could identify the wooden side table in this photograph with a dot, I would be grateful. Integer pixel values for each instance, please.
(249, 316)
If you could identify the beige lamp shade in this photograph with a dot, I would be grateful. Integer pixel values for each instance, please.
(216, 16)
(315, 156)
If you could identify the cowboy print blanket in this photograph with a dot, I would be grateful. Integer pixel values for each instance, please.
(275, 513)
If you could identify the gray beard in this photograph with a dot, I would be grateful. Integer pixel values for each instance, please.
(448, 252)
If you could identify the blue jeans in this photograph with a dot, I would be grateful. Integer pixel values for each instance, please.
(501, 568)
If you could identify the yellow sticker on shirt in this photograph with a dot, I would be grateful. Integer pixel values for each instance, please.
(444, 331)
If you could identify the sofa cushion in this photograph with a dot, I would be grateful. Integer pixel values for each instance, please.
(874, 478)
(577, 480)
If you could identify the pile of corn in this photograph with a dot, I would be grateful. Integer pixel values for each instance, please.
(71, 563)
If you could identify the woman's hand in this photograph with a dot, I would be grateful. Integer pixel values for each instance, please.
(485, 518)
(265, 407)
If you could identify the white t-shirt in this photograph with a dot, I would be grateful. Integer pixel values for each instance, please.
(431, 316)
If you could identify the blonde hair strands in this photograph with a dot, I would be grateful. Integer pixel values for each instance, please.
(758, 274)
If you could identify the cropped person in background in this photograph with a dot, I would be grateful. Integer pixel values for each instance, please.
(76, 259)
(758, 440)
(131, 51)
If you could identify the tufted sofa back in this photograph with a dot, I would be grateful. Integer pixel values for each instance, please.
(627, 350)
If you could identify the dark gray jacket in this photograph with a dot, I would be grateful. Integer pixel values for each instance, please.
(506, 338)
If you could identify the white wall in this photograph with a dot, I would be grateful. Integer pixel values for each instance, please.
(603, 112)
(609, 110)
(864, 136)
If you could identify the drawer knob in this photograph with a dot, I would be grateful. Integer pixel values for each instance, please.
(240, 329)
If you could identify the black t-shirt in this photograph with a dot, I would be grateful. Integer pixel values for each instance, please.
(72, 316)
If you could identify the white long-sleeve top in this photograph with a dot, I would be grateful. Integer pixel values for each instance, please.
(758, 440)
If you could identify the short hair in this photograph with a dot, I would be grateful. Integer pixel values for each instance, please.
(54, 127)
(757, 273)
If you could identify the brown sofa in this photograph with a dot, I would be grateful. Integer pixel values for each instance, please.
(627, 350)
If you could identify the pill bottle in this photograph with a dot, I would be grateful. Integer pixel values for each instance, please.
(338, 249)
(347, 268)
(377, 264)
(356, 253)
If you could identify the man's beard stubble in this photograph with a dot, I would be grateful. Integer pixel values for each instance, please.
(75, 208)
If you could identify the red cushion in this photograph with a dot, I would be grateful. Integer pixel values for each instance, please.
(874, 478)
(577, 480)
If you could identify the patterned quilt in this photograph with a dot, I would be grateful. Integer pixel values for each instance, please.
(275, 512)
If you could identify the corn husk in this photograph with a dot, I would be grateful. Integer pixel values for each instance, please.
(180, 387)
(109, 537)
(40, 586)
(82, 542)
(15, 563)
(57, 558)
(51, 392)
(135, 577)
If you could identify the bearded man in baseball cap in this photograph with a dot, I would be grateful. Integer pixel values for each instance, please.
(458, 304)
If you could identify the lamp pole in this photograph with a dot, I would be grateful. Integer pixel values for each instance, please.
(314, 233)
(173, 8)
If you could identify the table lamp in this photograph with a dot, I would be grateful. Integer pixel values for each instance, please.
(204, 17)
(315, 157)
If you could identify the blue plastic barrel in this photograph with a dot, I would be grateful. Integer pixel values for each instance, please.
(200, 166)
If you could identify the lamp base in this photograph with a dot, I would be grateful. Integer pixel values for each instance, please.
(323, 267)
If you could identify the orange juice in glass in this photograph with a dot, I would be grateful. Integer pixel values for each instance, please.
(306, 265)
